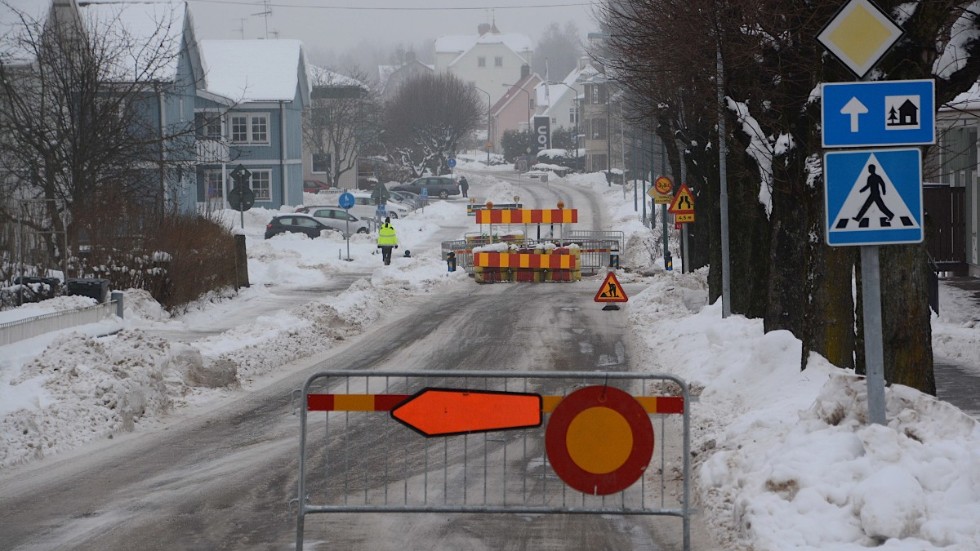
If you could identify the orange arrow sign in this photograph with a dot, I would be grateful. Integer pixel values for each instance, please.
(442, 412)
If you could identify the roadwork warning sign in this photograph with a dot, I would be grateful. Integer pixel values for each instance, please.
(611, 290)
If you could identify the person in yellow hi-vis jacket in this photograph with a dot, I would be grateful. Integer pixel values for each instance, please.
(387, 240)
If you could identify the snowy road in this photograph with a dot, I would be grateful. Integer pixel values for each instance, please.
(222, 478)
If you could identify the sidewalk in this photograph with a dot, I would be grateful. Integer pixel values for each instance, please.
(956, 382)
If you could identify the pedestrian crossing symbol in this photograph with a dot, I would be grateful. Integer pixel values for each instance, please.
(873, 197)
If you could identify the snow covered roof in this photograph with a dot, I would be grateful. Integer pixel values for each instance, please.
(20, 23)
(319, 76)
(145, 36)
(462, 43)
(966, 101)
(252, 70)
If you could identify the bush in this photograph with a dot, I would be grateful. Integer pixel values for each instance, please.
(177, 260)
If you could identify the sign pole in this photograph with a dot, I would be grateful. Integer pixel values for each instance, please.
(873, 349)
(882, 113)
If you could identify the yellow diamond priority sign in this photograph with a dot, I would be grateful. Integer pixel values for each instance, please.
(859, 35)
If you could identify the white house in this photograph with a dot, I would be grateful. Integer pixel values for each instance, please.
(489, 60)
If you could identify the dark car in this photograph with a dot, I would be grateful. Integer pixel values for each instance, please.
(296, 223)
(436, 186)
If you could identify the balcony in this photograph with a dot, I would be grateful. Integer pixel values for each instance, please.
(211, 151)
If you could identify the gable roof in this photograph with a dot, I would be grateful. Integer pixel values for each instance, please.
(527, 83)
(254, 70)
(461, 44)
(319, 76)
(144, 36)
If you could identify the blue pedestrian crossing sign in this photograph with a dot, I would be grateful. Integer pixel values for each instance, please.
(883, 113)
(873, 197)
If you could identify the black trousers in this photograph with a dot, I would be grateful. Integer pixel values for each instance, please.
(386, 254)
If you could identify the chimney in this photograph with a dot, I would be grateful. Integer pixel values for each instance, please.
(525, 71)
(482, 28)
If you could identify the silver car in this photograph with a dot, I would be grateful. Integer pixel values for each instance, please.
(340, 219)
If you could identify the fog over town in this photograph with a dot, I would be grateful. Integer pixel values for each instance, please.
(345, 33)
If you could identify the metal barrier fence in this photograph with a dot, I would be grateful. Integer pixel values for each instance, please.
(595, 248)
(28, 328)
(357, 455)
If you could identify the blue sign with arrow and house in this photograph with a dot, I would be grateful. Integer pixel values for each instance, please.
(873, 197)
(883, 113)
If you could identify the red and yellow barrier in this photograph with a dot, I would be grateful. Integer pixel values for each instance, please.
(527, 216)
(543, 265)
(523, 260)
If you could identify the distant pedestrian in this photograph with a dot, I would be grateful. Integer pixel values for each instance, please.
(387, 240)
(464, 186)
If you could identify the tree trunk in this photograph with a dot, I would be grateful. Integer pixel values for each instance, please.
(906, 318)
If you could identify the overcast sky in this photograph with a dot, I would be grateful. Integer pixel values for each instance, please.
(340, 25)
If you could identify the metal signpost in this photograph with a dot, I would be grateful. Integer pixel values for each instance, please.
(346, 201)
(241, 197)
(872, 197)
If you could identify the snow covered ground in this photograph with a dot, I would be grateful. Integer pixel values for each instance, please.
(784, 458)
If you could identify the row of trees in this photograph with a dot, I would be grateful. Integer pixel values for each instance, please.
(676, 57)
(426, 122)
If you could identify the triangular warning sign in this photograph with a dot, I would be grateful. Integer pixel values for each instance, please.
(611, 290)
(683, 202)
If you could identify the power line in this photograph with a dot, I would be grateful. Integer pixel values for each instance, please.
(389, 8)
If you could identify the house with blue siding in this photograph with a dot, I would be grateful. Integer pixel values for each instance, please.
(250, 114)
(159, 66)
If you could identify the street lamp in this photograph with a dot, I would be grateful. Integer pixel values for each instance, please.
(488, 122)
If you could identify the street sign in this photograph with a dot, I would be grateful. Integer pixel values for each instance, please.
(684, 218)
(443, 412)
(451, 162)
(859, 35)
(599, 440)
(241, 198)
(662, 190)
(611, 290)
(346, 200)
(873, 197)
(683, 202)
(241, 174)
(871, 114)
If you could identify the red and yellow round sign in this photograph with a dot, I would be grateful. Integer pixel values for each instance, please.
(599, 440)
(663, 185)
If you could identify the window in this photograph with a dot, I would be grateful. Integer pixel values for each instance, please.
(498, 61)
(250, 128)
(598, 163)
(321, 162)
(208, 125)
(598, 129)
(213, 181)
(481, 61)
(262, 184)
(572, 112)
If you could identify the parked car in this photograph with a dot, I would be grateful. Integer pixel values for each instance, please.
(437, 186)
(364, 207)
(296, 223)
(315, 186)
(406, 198)
(340, 220)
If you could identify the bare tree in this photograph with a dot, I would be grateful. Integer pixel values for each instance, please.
(340, 122)
(428, 118)
(76, 125)
(558, 51)
(671, 53)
